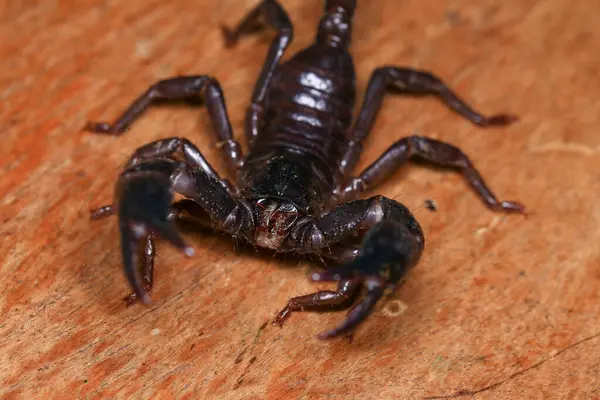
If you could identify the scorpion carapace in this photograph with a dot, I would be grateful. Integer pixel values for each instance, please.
(294, 190)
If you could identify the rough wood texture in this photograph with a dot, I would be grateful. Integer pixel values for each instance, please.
(499, 307)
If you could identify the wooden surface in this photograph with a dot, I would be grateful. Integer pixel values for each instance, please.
(500, 307)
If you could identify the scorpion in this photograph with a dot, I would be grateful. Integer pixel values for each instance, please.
(295, 191)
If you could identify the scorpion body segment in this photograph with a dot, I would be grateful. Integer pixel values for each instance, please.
(294, 190)
(307, 111)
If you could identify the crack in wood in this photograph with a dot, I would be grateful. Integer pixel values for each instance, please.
(464, 393)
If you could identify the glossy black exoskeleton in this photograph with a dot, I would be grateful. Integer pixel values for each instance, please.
(294, 191)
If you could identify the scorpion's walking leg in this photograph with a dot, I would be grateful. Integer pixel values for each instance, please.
(144, 196)
(432, 150)
(409, 81)
(392, 245)
(272, 14)
(184, 87)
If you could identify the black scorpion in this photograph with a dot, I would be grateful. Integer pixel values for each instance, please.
(294, 190)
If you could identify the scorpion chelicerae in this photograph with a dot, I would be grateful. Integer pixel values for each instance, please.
(294, 190)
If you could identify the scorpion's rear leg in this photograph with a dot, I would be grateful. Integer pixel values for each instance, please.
(432, 150)
(269, 13)
(184, 87)
(392, 245)
(408, 81)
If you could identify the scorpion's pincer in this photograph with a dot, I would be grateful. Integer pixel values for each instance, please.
(143, 205)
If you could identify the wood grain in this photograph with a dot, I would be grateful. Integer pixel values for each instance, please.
(500, 307)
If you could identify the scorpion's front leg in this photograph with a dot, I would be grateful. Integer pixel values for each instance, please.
(144, 195)
(270, 13)
(184, 87)
(408, 80)
(392, 245)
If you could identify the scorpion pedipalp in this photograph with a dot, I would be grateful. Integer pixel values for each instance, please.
(388, 251)
(144, 204)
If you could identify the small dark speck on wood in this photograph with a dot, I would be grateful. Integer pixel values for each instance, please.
(453, 17)
(431, 205)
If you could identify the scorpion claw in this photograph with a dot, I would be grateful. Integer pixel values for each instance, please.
(145, 199)
(130, 239)
(358, 313)
(132, 298)
(131, 236)
(388, 251)
(144, 206)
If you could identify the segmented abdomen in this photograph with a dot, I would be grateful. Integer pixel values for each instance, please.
(309, 105)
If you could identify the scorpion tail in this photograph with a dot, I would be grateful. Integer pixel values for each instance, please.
(335, 27)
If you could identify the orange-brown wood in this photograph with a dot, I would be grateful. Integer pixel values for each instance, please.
(501, 306)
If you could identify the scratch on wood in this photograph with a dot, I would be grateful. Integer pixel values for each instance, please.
(568, 147)
(553, 354)
(240, 356)
(485, 229)
(240, 379)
